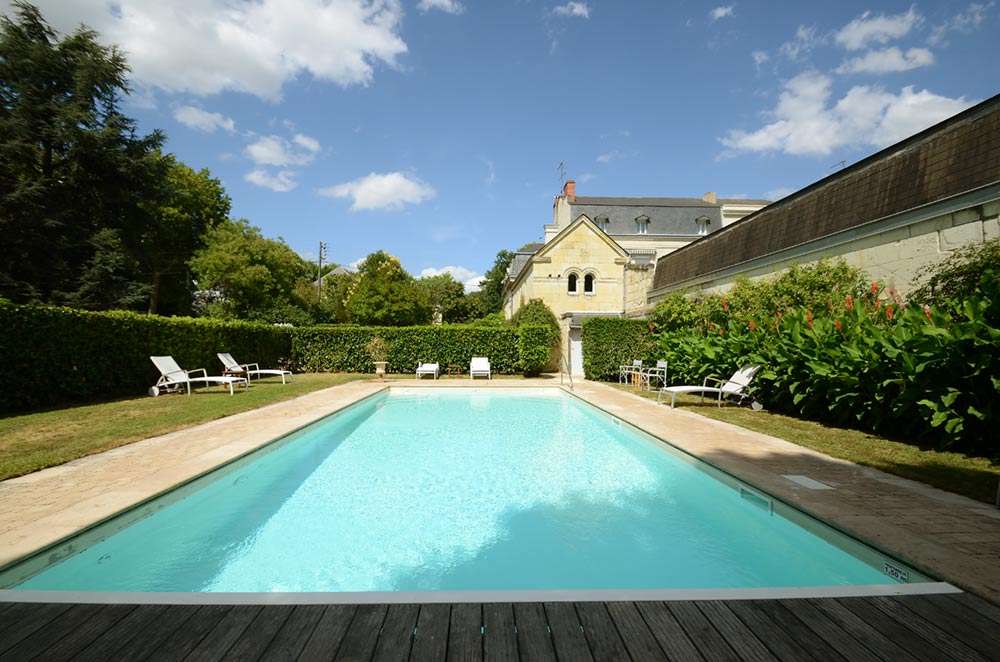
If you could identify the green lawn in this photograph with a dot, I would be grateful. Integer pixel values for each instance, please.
(34, 441)
(974, 477)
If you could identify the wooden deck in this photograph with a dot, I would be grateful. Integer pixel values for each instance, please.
(925, 628)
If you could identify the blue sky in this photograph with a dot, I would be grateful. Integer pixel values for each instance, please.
(433, 129)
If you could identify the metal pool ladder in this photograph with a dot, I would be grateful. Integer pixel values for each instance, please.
(564, 370)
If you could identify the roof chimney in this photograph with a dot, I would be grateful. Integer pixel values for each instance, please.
(569, 190)
(710, 198)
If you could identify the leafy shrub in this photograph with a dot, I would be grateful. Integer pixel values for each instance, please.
(609, 342)
(958, 276)
(534, 345)
(51, 356)
(536, 312)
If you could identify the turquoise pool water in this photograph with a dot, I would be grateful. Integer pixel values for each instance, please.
(436, 489)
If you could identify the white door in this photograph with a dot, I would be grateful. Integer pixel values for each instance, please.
(575, 352)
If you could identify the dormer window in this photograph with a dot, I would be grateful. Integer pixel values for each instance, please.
(602, 223)
(702, 222)
(642, 225)
(571, 288)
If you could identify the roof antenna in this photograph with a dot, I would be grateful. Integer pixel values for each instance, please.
(842, 164)
(562, 173)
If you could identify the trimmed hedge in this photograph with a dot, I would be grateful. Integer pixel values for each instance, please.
(342, 348)
(609, 342)
(51, 356)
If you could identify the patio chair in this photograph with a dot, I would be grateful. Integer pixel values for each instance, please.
(428, 369)
(659, 374)
(234, 369)
(172, 377)
(480, 367)
(626, 371)
(735, 387)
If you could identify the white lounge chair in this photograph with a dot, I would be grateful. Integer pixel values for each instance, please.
(234, 369)
(480, 367)
(736, 386)
(428, 369)
(172, 377)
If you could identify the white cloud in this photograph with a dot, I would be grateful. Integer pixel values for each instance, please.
(467, 277)
(390, 191)
(585, 177)
(779, 193)
(491, 172)
(609, 156)
(805, 40)
(580, 9)
(876, 29)
(759, 58)
(282, 182)
(202, 120)
(447, 6)
(805, 123)
(276, 151)
(966, 21)
(887, 60)
(207, 46)
(721, 12)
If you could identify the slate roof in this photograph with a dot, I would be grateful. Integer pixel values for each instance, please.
(667, 216)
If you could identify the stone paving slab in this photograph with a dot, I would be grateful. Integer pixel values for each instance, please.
(950, 535)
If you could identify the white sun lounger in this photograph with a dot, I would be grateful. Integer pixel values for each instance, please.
(428, 369)
(249, 369)
(736, 386)
(172, 377)
(480, 367)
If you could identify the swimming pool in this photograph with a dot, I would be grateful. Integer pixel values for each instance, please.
(440, 489)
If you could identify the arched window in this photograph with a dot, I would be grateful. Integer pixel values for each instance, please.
(572, 284)
(588, 284)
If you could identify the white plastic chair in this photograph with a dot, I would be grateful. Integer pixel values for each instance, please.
(172, 377)
(249, 369)
(480, 367)
(428, 369)
(736, 386)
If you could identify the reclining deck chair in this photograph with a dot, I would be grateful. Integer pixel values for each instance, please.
(480, 367)
(172, 377)
(248, 370)
(428, 369)
(736, 386)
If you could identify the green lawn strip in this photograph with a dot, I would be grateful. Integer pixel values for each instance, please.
(974, 477)
(31, 442)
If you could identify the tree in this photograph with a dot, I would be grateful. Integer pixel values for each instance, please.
(446, 296)
(70, 163)
(332, 306)
(386, 295)
(247, 276)
(491, 292)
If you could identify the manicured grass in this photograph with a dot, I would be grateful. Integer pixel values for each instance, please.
(974, 477)
(34, 441)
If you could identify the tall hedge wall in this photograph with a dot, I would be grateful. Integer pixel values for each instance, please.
(342, 348)
(609, 342)
(50, 356)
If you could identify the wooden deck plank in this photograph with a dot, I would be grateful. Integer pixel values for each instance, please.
(862, 631)
(217, 642)
(362, 634)
(781, 643)
(709, 641)
(568, 639)
(821, 624)
(499, 633)
(466, 635)
(51, 631)
(186, 638)
(930, 631)
(29, 620)
(162, 628)
(325, 640)
(798, 631)
(107, 646)
(396, 638)
(913, 641)
(253, 636)
(602, 635)
(671, 637)
(89, 632)
(533, 640)
(430, 641)
(16, 612)
(962, 609)
(987, 609)
(289, 641)
(636, 636)
(739, 637)
(952, 623)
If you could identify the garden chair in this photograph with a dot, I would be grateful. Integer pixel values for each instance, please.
(480, 367)
(234, 369)
(735, 387)
(659, 374)
(625, 372)
(428, 369)
(172, 377)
